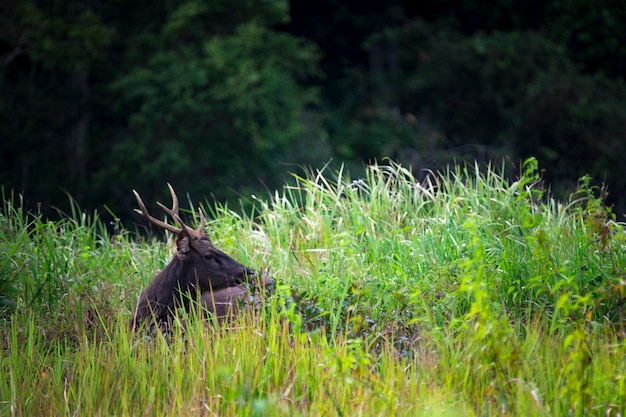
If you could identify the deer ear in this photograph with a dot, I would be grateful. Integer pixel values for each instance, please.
(182, 244)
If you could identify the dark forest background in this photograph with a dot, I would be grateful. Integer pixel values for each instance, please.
(223, 98)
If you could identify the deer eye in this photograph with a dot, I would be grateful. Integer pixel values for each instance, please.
(208, 256)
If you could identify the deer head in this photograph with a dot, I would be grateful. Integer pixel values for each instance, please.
(198, 268)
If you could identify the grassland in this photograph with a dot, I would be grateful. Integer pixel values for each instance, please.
(464, 295)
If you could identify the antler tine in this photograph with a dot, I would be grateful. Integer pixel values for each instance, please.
(173, 212)
(144, 212)
(201, 230)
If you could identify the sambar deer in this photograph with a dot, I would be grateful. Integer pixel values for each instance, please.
(198, 269)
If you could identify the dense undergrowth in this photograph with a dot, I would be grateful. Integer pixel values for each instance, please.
(463, 295)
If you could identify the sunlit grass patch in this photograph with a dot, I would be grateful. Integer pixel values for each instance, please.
(467, 294)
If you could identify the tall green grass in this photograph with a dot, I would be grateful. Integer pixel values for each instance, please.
(464, 295)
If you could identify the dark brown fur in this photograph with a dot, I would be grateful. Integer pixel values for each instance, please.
(199, 268)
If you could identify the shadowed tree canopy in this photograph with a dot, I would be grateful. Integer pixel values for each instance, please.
(213, 102)
(98, 98)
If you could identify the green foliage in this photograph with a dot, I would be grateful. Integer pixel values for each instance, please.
(485, 265)
(463, 294)
(66, 38)
(593, 33)
(148, 92)
(48, 50)
(177, 102)
(57, 268)
(527, 98)
(108, 96)
(495, 70)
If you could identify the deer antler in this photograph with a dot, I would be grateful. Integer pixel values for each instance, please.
(173, 212)
(201, 230)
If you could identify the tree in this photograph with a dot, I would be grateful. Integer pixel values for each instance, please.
(215, 102)
(48, 52)
(518, 93)
(98, 98)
